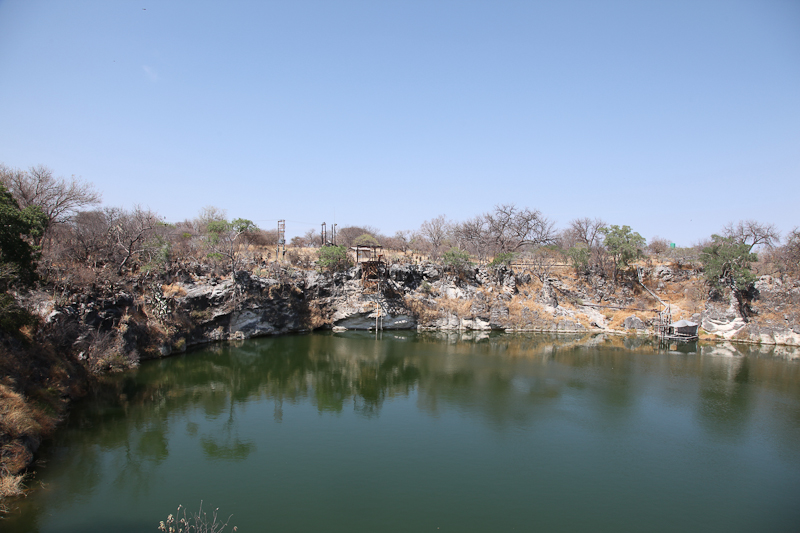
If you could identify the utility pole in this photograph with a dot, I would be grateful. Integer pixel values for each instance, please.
(334, 234)
(323, 236)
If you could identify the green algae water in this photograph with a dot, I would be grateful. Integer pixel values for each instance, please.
(408, 432)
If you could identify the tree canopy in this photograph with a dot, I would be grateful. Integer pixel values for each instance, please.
(727, 263)
(18, 227)
(366, 240)
(333, 258)
(623, 244)
(58, 198)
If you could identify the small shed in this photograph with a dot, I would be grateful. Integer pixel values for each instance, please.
(373, 267)
(683, 328)
(368, 253)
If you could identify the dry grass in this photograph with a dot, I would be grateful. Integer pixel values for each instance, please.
(425, 313)
(523, 312)
(11, 486)
(615, 317)
(17, 418)
(315, 317)
(20, 421)
(172, 291)
(455, 306)
(686, 295)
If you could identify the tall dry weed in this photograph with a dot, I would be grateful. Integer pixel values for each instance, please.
(424, 312)
(11, 486)
(17, 418)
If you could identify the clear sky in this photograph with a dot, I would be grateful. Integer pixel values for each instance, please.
(672, 117)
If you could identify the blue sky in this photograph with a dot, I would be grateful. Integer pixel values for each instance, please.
(671, 117)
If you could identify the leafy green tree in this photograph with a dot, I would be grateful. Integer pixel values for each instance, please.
(333, 258)
(18, 227)
(579, 255)
(624, 246)
(366, 239)
(726, 263)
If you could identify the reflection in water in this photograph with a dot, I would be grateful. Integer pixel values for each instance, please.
(210, 402)
(726, 397)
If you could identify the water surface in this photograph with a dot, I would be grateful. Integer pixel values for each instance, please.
(433, 432)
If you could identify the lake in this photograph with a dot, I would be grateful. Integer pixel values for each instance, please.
(406, 432)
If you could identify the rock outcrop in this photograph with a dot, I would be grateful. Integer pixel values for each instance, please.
(150, 319)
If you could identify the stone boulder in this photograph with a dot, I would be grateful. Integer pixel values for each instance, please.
(634, 322)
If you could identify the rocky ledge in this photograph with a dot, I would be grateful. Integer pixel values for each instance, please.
(156, 318)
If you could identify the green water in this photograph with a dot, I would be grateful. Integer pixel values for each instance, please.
(425, 432)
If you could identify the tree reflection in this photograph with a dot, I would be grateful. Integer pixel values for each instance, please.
(226, 444)
(506, 381)
(725, 395)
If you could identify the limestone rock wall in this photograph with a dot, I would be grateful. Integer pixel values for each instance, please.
(153, 318)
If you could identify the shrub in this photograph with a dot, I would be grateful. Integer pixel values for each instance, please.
(333, 258)
(456, 259)
(579, 257)
(503, 258)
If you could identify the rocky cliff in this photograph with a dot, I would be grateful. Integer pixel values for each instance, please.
(159, 316)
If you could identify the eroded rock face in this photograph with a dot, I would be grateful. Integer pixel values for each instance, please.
(663, 272)
(773, 318)
(547, 295)
(202, 308)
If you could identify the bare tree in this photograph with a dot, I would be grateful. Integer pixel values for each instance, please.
(789, 254)
(435, 231)
(59, 198)
(345, 236)
(89, 239)
(512, 228)
(263, 237)
(401, 240)
(473, 236)
(752, 233)
(587, 231)
(132, 232)
(310, 236)
(207, 215)
(418, 243)
(109, 236)
(658, 246)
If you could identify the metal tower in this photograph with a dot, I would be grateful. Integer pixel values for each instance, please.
(281, 249)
